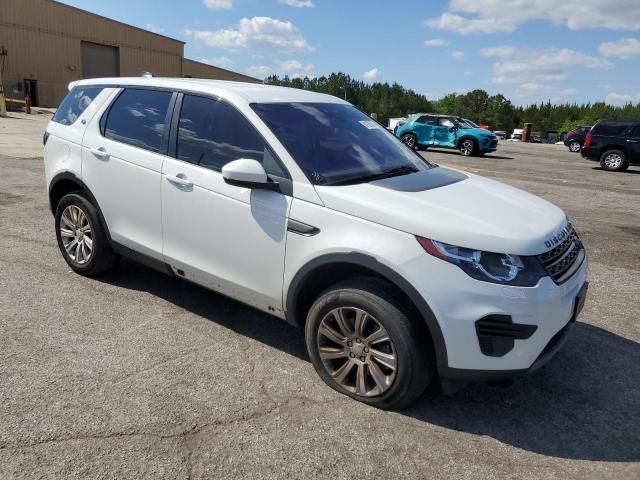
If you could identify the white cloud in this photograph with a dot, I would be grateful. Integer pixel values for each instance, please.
(624, 48)
(223, 61)
(497, 51)
(540, 65)
(218, 4)
(297, 69)
(152, 28)
(372, 74)
(458, 55)
(257, 33)
(260, 71)
(436, 42)
(529, 87)
(615, 98)
(298, 3)
(567, 92)
(492, 16)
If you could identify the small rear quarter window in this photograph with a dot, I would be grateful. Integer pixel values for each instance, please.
(76, 102)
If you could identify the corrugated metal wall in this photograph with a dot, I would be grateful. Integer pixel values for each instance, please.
(194, 69)
(43, 41)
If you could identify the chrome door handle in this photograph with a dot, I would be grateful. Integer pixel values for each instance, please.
(179, 179)
(99, 152)
(631, 141)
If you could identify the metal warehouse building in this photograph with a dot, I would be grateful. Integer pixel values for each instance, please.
(49, 44)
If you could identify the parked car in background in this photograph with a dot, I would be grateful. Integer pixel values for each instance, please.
(500, 134)
(613, 143)
(394, 123)
(444, 131)
(575, 138)
(517, 134)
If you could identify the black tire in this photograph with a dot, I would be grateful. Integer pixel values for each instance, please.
(102, 257)
(410, 140)
(574, 146)
(408, 336)
(468, 147)
(614, 161)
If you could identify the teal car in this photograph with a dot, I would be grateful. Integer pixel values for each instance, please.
(445, 131)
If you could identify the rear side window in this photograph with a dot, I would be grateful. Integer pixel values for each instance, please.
(76, 102)
(610, 129)
(212, 133)
(137, 118)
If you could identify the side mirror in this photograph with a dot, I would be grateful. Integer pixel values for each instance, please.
(247, 173)
(453, 129)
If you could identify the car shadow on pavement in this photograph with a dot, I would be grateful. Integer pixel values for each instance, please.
(212, 306)
(584, 405)
(457, 154)
(625, 171)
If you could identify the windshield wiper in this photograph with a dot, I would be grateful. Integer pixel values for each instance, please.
(394, 172)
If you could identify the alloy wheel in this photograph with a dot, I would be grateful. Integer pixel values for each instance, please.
(613, 160)
(574, 147)
(409, 140)
(466, 148)
(357, 351)
(76, 234)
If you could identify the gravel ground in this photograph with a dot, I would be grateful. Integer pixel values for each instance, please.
(138, 375)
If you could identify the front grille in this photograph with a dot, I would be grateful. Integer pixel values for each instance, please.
(494, 143)
(562, 260)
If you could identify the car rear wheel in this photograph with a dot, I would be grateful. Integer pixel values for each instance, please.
(467, 147)
(410, 140)
(614, 161)
(363, 345)
(574, 146)
(81, 237)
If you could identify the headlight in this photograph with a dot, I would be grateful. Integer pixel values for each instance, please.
(487, 266)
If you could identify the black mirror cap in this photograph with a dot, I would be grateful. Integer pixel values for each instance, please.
(274, 186)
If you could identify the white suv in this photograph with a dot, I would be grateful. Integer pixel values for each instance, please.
(298, 204)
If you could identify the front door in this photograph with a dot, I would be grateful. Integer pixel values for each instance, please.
(444, 134)
(228, 238)
(633, 142)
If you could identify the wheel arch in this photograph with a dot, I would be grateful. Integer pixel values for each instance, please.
(322, 272)
(468, 137)
(66, 182)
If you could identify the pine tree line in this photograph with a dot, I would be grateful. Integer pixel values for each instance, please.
(392, 100)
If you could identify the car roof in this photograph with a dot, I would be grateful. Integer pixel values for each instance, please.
(249, 92)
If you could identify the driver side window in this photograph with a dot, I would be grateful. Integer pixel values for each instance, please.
(445, 122)
(211, 133)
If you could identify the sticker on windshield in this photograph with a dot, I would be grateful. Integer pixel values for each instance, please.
(370, 124)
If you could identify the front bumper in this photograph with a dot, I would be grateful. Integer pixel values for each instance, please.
(458, 301)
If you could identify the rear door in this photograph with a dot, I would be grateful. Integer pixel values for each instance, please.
(122, 156)
(228, 238)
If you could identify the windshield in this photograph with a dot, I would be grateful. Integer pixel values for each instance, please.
(336, 143)
(465, 123)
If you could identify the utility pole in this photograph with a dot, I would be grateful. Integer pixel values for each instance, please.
(3, 105)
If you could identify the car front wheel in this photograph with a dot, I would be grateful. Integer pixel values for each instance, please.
(574, 147)
(467, 147)
(363, 345)
(614, 161)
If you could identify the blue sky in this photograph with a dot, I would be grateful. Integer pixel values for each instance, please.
(529, 50)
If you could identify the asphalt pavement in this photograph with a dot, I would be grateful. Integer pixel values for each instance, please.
(138, 375)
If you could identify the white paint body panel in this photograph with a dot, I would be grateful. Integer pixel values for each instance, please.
(235, 240)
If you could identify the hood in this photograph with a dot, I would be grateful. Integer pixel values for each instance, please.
(453, 207)
(476, 131)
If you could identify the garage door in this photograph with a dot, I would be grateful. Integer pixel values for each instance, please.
(99, 60)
